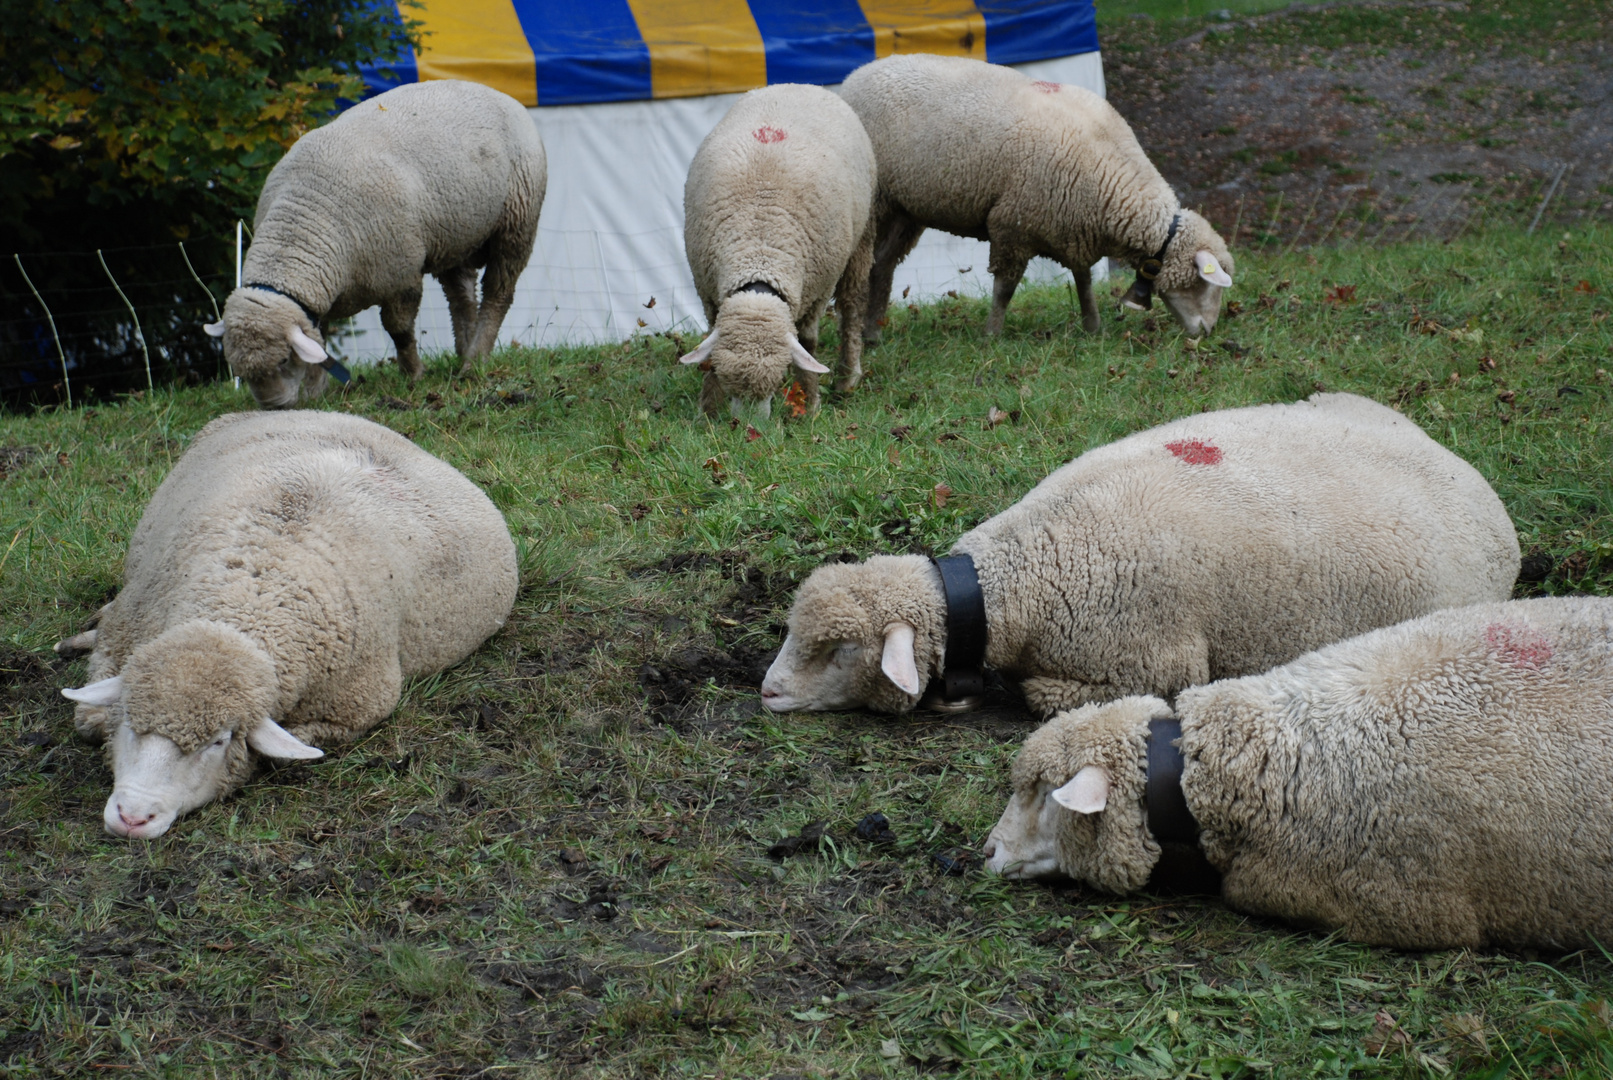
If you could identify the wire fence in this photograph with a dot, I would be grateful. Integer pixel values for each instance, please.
(76, 326)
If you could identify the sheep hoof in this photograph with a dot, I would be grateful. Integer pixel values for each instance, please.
(75, 646)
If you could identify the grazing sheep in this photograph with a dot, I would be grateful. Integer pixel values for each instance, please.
(1216, 545)
(286, 578)
(438, 178)
(1035, 168)
(777, 220)
(1439, 784)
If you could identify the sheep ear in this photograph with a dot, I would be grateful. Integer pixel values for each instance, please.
(803, 359)
(105, 692)
(307, 349)
(701, 351)
(213, 329)
(1210, 270)
(1088, 793)
(272, 740)
(897, 661)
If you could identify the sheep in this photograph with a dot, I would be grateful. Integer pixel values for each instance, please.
(1438, 784)
(1215, 545)
(1035, 168)
(439, 178)
(778, 218)
(288, 575)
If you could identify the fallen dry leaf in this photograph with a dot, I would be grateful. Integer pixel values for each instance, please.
(995, 416)
(1339, 295)
(1586, 288)
(1386, 1036)
(795, 398)
(939, 495)
(651, 303)
(751, 434)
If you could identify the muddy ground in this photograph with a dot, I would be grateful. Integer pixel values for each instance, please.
(1291, 142)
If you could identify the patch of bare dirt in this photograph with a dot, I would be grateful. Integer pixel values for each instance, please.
(1300, 144)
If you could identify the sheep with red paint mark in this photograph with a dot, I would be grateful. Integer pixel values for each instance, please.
(778, 220)
(288, 575)
(1216, 545)
(1035, 168)
(1442, 783)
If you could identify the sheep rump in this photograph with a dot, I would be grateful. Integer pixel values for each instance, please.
(295, 566)
(1442, 783)
(1035, 168)
(1215, 545)
(779, 195)
(440, 177)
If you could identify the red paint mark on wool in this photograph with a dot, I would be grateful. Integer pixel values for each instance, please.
(769, 134)
(1518, 645)
(1196, 451)
(1047, 87)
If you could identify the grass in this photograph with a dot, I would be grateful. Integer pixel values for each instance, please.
(551, 861)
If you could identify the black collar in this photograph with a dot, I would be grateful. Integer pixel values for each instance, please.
(759, 287)
(306, 310)
(963, 680)
(1169, 819)
(1141, 294)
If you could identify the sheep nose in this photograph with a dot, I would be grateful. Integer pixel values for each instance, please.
(989, 850)
(133, 822)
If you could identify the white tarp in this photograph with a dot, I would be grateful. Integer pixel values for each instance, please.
(610, 238)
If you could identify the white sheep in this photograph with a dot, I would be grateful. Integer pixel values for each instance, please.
(1036, 168)
(777, 221)
(1439, 784)
(288, 575)
(1216, 545)
(440, 178)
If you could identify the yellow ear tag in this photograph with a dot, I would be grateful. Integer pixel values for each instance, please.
(1210, 268)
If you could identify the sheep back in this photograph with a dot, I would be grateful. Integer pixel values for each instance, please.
(1436, 784)
(415, 180)
(1228, 542)
(354, 558)
(959, 142)
(781, 191)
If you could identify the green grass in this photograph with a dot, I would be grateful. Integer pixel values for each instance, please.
(551, 860)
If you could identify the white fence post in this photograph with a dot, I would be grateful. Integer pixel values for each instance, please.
(60, 355)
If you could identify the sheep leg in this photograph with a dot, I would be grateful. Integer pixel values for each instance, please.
(459, 284)
(806, 331)
(498, 294)
(1006, 270)
(397, 318)
(896, 236)
(1047, 696)
(711, 396)
(1089, 307)
(851, 303)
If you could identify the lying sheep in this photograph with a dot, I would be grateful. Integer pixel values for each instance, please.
(1036, 168)
(438, 178)
(286, 578)
(1216, 545)
(1438, 784)
(777, 220)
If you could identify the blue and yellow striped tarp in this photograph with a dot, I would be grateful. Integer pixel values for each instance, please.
(573, 52)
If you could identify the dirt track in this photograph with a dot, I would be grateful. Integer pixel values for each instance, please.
(1429, 138)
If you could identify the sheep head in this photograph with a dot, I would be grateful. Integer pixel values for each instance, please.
(748, 354)
(1077, 807)
(864, 635)
(1198, 269)
(269, 342)
(179, 720)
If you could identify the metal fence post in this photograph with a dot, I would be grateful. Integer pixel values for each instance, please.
(60, 355)
(138, 333)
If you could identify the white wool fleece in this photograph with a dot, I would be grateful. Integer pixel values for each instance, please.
(1216, 545)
